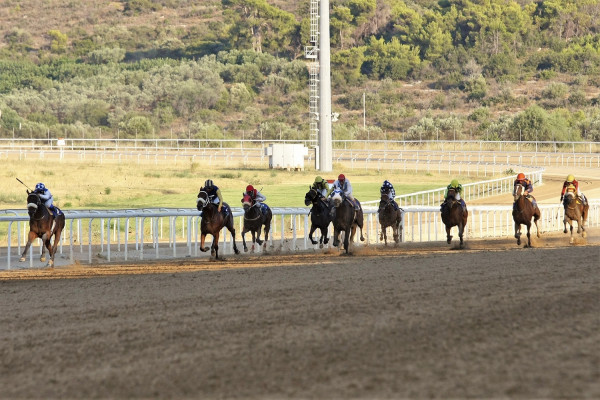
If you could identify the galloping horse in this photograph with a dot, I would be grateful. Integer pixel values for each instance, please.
(575, 211)
(319, 216)
(389, 216)
(454, 215)
(254, 219)
(43, 225)
(212, 223)
(523, 211)
(346, 219)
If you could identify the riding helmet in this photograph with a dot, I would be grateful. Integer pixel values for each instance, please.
(520, 176)
(249, 188)
(40, 187)
(386, 183)
(454, 183)
(208, 183)
(570, 178)
(341, 178)
(318, 179)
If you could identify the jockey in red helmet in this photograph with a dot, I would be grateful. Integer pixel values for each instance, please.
(571, 184)
(255, 195)
(527, 186)
(344, 185)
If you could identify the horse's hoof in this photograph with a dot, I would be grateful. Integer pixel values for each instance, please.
(50, 264)
(21, 259)
(572, 240)
(245, 249)
(260, 242)
(565, 231)
(42, 259)
(326, 240)
(321, 246)
(518, 242)
(362, 239)
(584, 234)
(203, 249)
(313, 241)
(237, 251)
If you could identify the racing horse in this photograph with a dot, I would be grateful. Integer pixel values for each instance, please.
(454, 215)
(319, 216)
(43, 225)
(389, 216)
(254, 219)
(346, 219)
(575, 211)
(523, 211)
(212, 223)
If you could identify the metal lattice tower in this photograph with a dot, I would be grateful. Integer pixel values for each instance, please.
(311, 52)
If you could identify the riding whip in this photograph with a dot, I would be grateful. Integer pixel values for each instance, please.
(23, 183)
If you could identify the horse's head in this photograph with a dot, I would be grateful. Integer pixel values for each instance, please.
(337, 196)
(33, 202)
(247, 201)
(310, 196)
(451, 194)
(202, 200)
(518, 191)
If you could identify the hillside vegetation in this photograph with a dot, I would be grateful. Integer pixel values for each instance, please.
(483, 69)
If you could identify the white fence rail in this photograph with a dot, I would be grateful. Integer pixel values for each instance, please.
(122, 235)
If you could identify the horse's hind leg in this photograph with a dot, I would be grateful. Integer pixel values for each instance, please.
(30, 238)
(267, 229)
(258, 232)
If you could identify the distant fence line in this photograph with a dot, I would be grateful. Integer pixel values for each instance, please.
(96, 236)
(111, 144)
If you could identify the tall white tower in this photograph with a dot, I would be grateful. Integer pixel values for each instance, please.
(320, 84)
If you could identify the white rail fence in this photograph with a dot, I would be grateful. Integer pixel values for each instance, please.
(129, 235)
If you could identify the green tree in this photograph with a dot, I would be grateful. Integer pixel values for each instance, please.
(59, 41)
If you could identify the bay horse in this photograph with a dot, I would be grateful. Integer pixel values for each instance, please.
(346, 219)
(319, 216)
(389, 216)
(575, 211)
(212, 223)
(254, 220)
(454, 215)
(43, 225)
(523, 211)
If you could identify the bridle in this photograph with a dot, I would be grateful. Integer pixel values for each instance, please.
(35, 206)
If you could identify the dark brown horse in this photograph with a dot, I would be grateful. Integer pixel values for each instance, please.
(319, 216)
(212, 223)
(523, 211)
(454, 215)
(43, 225)
(346, 219)
(390, 216)
(254, 220)
(575, 211)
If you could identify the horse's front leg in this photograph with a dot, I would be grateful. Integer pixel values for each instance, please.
(202, 239)
(258, 232)
(336, 237)
(214, 248)
(324, 237)
(48, 245)
(571, 239)
(30, 238)
(528, 235)
(244, 239)
(384, 235)
(518, 233)
(448, 235)
(313, 228)
(565, 223)
(253, 233)
(461, 230)
(346, 239)
(231, 230)
(267, 229)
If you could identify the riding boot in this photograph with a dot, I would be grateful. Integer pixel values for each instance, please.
(463, 205)
(53, 211)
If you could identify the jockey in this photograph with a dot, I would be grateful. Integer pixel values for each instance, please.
(344, 185)
(457, 190)
(255, 195)
(42, 191)
(213, 192)
(321, 186)
(572, 185)
(527, 185)
(388, 189)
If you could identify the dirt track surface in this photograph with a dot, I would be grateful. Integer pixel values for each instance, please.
(422, 320)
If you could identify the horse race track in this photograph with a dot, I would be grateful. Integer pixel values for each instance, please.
(423, 320)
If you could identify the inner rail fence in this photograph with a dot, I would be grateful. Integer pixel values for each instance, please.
(98, 236)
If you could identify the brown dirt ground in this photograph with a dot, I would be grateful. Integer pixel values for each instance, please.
(417, 321)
